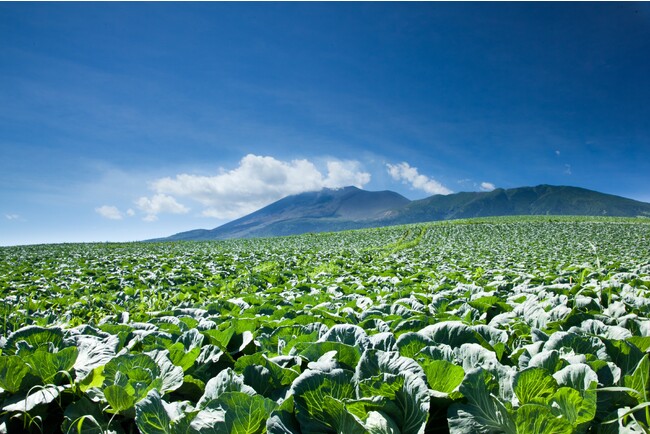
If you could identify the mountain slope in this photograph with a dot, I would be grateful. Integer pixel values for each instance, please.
(352, 208)
(539, 200)
(325, 210)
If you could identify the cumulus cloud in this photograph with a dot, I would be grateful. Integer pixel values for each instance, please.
(109, 212)
(344, 173)
(409, 175)
(256, 182)
(487, 186)
(159, 203)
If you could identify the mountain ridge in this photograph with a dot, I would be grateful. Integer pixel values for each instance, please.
(338, 209)
(345, 208)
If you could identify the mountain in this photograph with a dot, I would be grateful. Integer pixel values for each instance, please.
(540, 200)
(352, 208)
(325, 210)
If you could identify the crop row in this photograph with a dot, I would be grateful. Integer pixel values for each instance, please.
(500, 325)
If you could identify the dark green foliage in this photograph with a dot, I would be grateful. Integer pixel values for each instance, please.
(504, 324)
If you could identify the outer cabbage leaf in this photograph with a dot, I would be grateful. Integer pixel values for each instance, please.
(579, 344)
(374, 362)
(348, 334)
(534, 385)
(492, 335)
(310, 390)
(93, 352)
(624, 354)
(483, 413)
(234, 338)
(384, 341)
(191, 339)
(578, 376)
(404, 398)
(399, 379)
(50, 366)
(608, 373)
(133, 374)
(378, 422)
(155, 416)
(452, 333)
(340, 419)
(409, 344)
(210, 362)
(86, 417)
(118, 398)
(227, 381)
(245, 414)
(573, 406)
(282, 339)
(641, 342)
(549, 360)
(209, 421)
(266, 377)
(442, 376)
(30, 338)
(347, 356)
(639, 381)
(437, 352)
(475, 356)
(538, 419)
(283, 419)
(12, 371)
(170, 374)
(182, 358)
(39, 396)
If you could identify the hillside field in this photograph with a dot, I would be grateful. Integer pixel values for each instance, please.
(514, 325)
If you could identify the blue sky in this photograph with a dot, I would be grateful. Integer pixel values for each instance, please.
(126, 121)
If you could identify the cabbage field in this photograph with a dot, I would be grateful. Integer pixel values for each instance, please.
(503, 325)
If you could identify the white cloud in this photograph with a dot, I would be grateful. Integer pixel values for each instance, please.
(407, 174)
(109, 212)
(12, 216)
(256, 182)
(130, 212)
(487, 186)
(159, 203)
(567, 169)
(557, 153)
(345, 173)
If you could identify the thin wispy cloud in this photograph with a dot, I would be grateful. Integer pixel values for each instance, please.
(409, 175)
(12, 216)
(256, 182)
